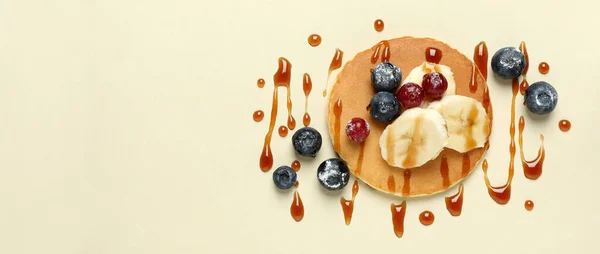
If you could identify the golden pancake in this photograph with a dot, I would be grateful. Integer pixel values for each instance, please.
(353, 91)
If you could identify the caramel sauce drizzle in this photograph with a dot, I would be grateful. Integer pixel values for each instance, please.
(501, 194)
(444, 171)
(391, 183)
(297, 208)
(348, 205)
(532, 169)
(337, 112)
(336, 63)
(398, 213)
(280, 78)
(382, 46)
(480, 61)
(361, 155)
(406, 183)
(307, 87)
(454, 203)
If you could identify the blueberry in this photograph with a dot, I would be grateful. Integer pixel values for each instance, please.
(508, 62)
(333, 174)
(386, 77)
(307, 141)
(384, 107)
(541, 98)
(284, 177)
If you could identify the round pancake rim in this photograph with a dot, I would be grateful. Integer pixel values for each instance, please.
(398, 192)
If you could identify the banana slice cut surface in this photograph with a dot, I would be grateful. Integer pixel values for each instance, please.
(467, 122)
(414, 138)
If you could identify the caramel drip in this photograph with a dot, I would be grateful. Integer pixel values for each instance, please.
(426, 218)
(307, 87)
(486, 100)
(337, 112)
(564, 125)
(382, 48)
(391, 183)
(297, 208)
(361, 154)
(433, 55)
(524, 84)
(466, 165)
(314, 40)
(501, 194)
(336, 63)
(480, 60)
(532, 169)
(454, 203)
(379, 25)
(348, 205)
(296, 165)
(544, 68)
(444, 171)
(398, 213)
(406, 183)
(260, 83)
(391, 147)
(306, 119)
(283, 131)
(280, 78)
(258, 115)
(529, 205)
(412, 152)
(523, 49)
(523, 87)
(469, 141)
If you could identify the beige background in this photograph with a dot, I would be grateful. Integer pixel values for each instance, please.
(126, 128)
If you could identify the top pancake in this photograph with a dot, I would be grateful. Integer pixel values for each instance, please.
(353, 88)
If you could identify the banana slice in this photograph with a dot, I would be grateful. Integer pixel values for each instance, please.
(468, 124)
(414, 138)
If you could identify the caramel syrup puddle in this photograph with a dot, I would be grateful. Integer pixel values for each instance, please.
(532, 169)
(280, 78)
(348, 205)
(336, 63)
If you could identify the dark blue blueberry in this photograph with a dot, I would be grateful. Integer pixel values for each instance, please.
(386, 77)
(284, 177)
(307, 141)
(384, 107)
(508, 62)
(541, 98)
(333, 174)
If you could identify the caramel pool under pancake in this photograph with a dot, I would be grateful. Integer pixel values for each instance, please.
(353, 88)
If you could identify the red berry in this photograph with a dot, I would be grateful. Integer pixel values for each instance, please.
(357, 130)
(434, 85)
(410, 95)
